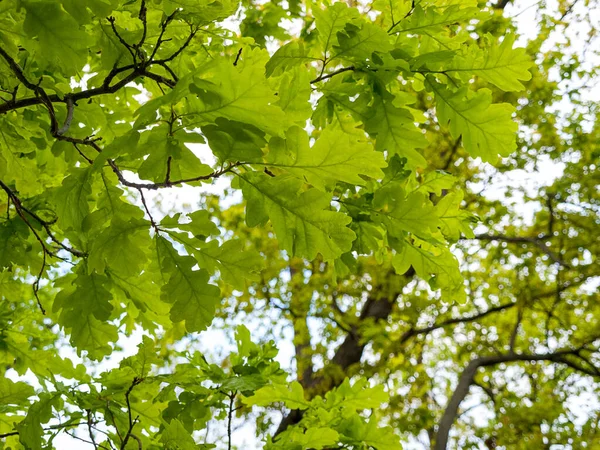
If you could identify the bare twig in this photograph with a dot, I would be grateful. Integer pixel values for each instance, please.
(230, 418)
(121, 40)
(409, 13)
(50, 428)
(332, 74)
(152, 222)
(90, 422)
(237, 57)
(132, 421)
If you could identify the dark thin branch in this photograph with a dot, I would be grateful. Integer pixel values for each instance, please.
(76, 96)
(193, 32)
(142, 17)
(132, 421)
(168, 175)
(154, 186)
(109, 440)
(163, 29)
(139, 441)
(74, 436)
(538, 242)
(90, 161)
(453, 150)
(168, 69)
(36, 284)
(237, 57)
(106, 88)
(114, 423)
(332, 74)
(160, 79)
(419, 331)
(50, 428)
(17, 71)
(488, 390)
(568, 10)
(152, 222)
(90, 422)
(230, 418)
(19, 207)
(408, 14)
(45, 251)
(121, 40)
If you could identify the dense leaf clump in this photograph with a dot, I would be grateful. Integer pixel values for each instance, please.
(332, 149)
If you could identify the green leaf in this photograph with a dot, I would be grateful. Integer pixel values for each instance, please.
(170, 156)
(60, 41)
(500, 64)
(85, 311)
(294, 95)
(433, 263)
(487, 129)
(30, 429)
(395, 131)
(412, 212)
(291, 395)
(453, 219)
(71, 198)
(335, 156)
(355, 431)
(239, 93)
(144, 359)
(359, 41)
(436, 181)
(290, 55)
(120, 245)
(91, 296)
(202, 12)
(14, 393)
(332, 20)
(234, 263)
(368, 237)
(234, 141)
(432, 21)
(199, 223)
(194, 300)
(176, 437)
(314, 437)
(357, 396)
(303, 222)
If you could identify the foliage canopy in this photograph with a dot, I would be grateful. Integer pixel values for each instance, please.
(347, 157)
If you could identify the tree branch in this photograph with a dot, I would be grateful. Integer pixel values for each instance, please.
(524, 240)
(50, 428)
(332, 74)
(132, 421)
(467, 379)
(230, 418)
(419, 331)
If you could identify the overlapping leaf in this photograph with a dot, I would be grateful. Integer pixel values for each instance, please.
(303, 221)
(487, 129)
(335, 156)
